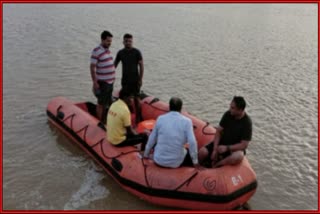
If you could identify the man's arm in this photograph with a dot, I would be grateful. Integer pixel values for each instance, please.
(151, 141)
(141, 67)
(239, 146)
(216, 142)
(130, 131)
(93, 76)
(193, 147)
(117, 60)
(222, 124)
(93, 64)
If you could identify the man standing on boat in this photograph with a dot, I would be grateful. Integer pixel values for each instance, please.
(171, 132)
(132, 70)
(103, 74)
(232, 137)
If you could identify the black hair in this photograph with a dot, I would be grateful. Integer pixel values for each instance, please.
(105, 34)
(175, 104)
(240, 102)
(127, 36)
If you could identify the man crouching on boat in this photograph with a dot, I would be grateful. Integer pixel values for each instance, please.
(119, 130)
(171, 132)
(232, 137)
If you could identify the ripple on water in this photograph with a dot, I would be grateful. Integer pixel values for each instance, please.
(90, 190)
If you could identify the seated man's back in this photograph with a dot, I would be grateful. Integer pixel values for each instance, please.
(171, 132)
(118, 119)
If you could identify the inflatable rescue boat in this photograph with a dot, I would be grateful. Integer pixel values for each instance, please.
(224, 188)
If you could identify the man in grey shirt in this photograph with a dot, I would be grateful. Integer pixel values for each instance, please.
(171, 132)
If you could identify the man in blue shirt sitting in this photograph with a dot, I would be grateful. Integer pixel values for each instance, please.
(171, 132)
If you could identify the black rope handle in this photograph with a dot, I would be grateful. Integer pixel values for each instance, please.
(70, 116)
(207, 133)
(194, 126)
(145, 172)
(100, 141)
(58, 109)
(85, 128)
(122, 153)
(187, 181)
(60, 114)
(150, 104)
(183, 183)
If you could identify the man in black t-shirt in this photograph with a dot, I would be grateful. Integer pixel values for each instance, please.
(132, 65)
(232, 137)
(132, 71)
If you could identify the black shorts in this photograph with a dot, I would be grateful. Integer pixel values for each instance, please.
(132, 87)
(135, 139)
(104, 94)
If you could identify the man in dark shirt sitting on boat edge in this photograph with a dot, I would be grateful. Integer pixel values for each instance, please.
(232, 137)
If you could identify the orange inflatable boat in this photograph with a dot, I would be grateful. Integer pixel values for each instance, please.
(227, 187)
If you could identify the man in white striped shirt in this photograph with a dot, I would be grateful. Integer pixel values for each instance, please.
(103, 74)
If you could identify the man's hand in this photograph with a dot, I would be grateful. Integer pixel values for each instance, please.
(144, 157)
(95, 85)
(214, 155)
(142, 154)
(198, 167)
(222, 149)
(147, 132)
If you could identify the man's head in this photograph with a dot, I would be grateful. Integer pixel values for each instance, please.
(106, 39)
(124, 94)
(127, 40)
(237, 106)
(175, 104)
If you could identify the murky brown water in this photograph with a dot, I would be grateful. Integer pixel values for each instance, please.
(204, 54)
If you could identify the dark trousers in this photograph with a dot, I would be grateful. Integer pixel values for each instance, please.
(134, 89)
(132, 140)
(187, 160)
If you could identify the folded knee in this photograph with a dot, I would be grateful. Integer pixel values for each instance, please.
(237, 157)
